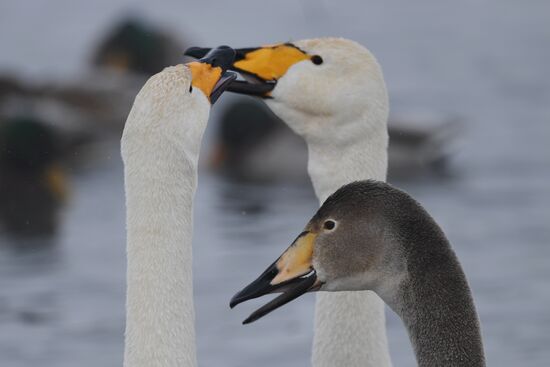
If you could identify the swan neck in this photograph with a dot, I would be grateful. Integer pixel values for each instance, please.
(437, 309)
(349, 326)
(160, 154)
(359, 153)
(160, 313)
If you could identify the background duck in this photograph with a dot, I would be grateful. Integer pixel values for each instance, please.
(136, 46)
(253, 144)
(68, 121)
(90, 108)
(96, 103)
(33, 185)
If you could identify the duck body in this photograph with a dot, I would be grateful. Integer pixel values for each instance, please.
(91, 107)
(254, 145)
(422, 145)
(33, 187)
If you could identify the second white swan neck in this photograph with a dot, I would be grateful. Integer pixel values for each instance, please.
(350, 327)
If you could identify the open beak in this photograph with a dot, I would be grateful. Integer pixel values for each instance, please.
(210, 73)
(260, 66)
(292, 274)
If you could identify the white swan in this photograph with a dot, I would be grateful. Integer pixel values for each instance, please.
(330, 91)
(369, 235)
(160, 147)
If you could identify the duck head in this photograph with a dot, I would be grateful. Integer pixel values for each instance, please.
(312, 82)
(351, 243)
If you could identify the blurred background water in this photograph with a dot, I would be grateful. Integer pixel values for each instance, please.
(483, 64)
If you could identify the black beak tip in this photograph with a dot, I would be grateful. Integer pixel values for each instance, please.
(237, 298)
(291, 290)
(196, 52)
(225, 81)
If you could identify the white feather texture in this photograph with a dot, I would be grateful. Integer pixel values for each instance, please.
(341, 109)
(160, 148)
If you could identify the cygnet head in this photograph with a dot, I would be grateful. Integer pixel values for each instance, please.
(360, 239)
(315, 84)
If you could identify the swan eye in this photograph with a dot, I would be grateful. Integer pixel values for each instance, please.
(316, 59)
(329, 225)
(191, 89)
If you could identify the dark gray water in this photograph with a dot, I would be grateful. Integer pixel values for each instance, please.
(484, 61)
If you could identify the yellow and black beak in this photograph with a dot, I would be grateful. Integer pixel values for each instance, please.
(292, 274)
(210, 73)
(260, 66)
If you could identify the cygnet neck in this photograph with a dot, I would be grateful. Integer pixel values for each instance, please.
(436, 306)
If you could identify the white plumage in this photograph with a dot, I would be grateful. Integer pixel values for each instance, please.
(160, 148)
(341, 109)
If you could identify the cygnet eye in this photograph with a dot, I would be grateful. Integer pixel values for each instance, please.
(329, 225)
(316, 59)
(191, 88)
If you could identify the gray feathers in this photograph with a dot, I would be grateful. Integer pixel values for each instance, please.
(386, 242)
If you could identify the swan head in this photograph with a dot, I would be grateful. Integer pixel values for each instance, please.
(181, 93)
(313, 84)
(203, 80)
(353, 242)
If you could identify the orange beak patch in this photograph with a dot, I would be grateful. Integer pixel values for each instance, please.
(205, 76)
(296, 260)
(271, 62)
